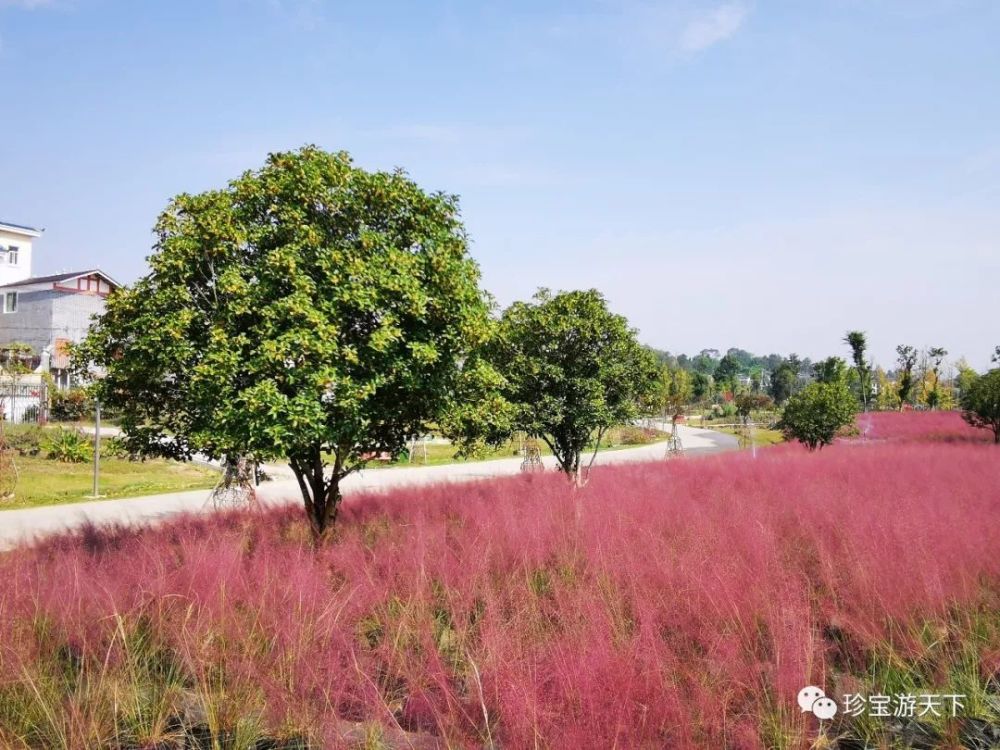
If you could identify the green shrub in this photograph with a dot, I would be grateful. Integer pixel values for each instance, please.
(632, 435)
(25, 440)
(815, 414)
(115, 447)
(68, 446)
(71, 406)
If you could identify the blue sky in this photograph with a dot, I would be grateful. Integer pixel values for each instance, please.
(762, 173)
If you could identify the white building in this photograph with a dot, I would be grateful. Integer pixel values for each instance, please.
(46, 312)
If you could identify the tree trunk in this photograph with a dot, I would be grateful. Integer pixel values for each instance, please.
(321, 496)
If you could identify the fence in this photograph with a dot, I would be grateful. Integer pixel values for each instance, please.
(22, 403)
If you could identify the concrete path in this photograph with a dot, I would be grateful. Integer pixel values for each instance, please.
(17, 526)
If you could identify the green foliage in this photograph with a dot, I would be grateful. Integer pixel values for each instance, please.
(747, 403)
(858, 341)
(727, 372)
(966, 376)
(830, 370)
(814, 415)
(673, 391)
(15, 358)
(71, 406)
(24, 439)
(784, 379)
(310, 311)
(571, 368)
(68, 446)
(906, 358)
(981, 403)
(701, 386)
(933, 396)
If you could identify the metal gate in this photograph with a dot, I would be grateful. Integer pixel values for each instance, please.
(23, 403)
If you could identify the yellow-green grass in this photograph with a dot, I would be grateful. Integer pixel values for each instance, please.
(444, 453)
(761, 435)
(42, 481)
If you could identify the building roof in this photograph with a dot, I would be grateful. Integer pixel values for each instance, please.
(56, 278)
(19, 228)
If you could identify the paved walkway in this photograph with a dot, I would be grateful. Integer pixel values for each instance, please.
(17, 526)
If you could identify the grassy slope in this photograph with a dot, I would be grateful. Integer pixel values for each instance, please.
(45, 482)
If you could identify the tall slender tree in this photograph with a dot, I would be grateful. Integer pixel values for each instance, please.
(936, 355)
(906, 358)
(858, 342)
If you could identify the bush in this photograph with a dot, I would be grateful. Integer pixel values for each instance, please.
(71, 406)
(981, 403)
(815, 414)
(68, 446)
(25, 440)
(632, 435)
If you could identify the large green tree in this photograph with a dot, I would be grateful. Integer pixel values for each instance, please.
(727, 372)
(572, 369)
(830, 370)
(814, 415)
(981, 403)
(311, 311)
(784, 379)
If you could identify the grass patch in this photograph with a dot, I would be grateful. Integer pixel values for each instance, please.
(617, 438)
(45, 482)
(761, 435)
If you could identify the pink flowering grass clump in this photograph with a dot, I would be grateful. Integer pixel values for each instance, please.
(941, 426)
(679, 604)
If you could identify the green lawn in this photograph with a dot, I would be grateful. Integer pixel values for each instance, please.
(45, 482)
(761, 435)
(438, 454)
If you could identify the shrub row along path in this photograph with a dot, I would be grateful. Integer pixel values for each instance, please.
(18, 526)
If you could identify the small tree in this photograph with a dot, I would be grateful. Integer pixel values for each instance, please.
(906, 359)
(311, 311)
(830, 370)
(858, 342)
(814, 415)
(981, 403)
(933, 387)
(727, 373)
(748, 403)
(784, 379)
(572, 369)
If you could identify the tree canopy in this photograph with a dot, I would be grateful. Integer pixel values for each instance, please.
(310, 311)
(981, 403)
(814, 415)
(571, 369)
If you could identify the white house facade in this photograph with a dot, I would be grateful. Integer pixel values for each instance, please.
(46, 312)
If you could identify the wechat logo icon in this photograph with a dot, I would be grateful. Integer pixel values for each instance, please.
(813, 699)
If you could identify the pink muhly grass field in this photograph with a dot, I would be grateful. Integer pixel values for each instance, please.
(679, 604)
(944, 426)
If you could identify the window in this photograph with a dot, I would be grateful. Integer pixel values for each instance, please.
(9, 302)
(3, 255)
(12, 255)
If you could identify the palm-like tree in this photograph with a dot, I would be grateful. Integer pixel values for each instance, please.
(858, 342)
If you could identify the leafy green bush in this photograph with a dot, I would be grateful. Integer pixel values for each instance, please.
(68, 446)
(632, 435)
(814, 415)
(115, 447)
(71, 406)
(25, 440)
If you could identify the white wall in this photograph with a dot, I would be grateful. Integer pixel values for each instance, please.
(9, 274)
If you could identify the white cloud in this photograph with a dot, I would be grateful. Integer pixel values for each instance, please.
(713, 26)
